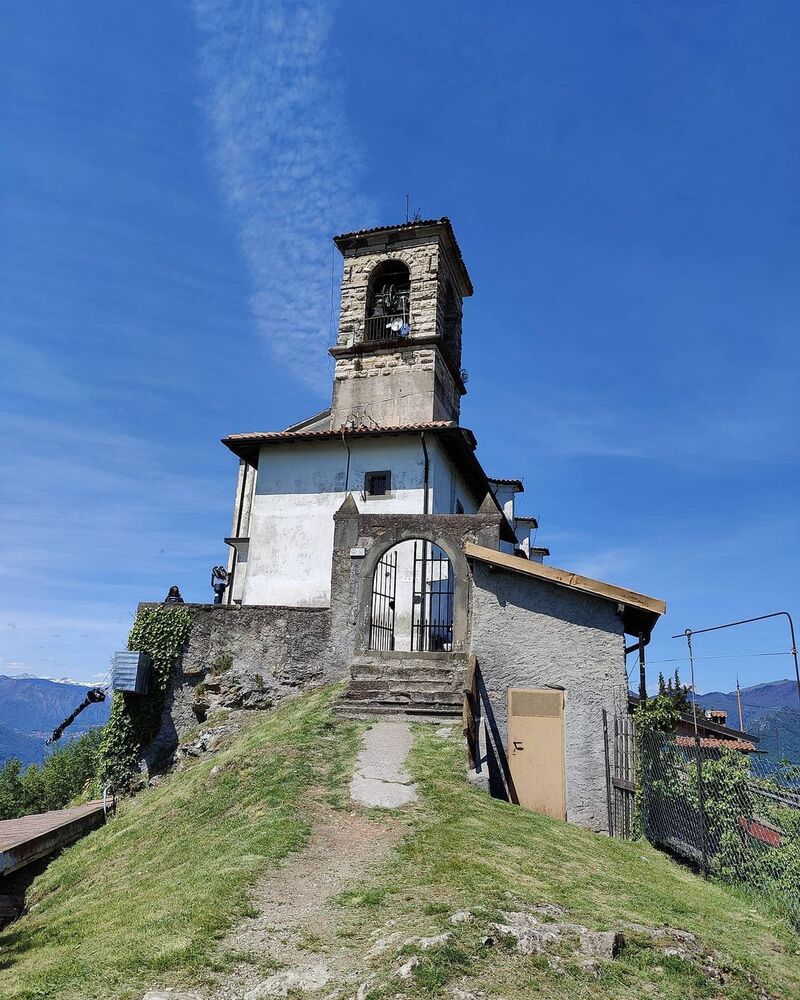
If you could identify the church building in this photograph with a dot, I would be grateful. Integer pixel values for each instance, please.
(370, 546)
(391, 436)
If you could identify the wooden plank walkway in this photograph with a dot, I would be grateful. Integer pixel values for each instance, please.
(29, 838)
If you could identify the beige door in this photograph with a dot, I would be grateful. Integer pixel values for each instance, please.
(536, 749)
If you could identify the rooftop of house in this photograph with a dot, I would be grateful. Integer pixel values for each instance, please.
(516, 484)
(639, 612)
(717, 743)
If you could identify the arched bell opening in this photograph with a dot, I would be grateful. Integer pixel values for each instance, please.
(388, 302)
(413, 599)
(451, 326)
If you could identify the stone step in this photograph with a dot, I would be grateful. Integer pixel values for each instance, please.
(402, 696)
(444, 714)
(399, 686)
(365, 672)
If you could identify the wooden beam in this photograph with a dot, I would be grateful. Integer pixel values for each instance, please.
(565, 578)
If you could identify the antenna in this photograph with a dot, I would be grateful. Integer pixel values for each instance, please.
(739, 703)
(407, 205)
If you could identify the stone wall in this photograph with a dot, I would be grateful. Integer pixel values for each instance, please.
(532, 634)
(392, 386)
(422, 262)
(249, 657)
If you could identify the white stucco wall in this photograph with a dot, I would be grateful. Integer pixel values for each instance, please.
(447, 484)
(301, 485)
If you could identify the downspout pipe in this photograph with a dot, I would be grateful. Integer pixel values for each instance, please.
(347, 469)
(426, 474)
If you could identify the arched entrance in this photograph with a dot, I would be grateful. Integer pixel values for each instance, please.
(412, 599)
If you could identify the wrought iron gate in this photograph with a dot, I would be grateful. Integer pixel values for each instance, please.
(432, 612)
(384, 587)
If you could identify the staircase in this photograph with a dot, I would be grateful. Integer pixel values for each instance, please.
(426, 687)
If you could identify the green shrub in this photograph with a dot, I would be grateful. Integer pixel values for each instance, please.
(161, 632)
(68, 772)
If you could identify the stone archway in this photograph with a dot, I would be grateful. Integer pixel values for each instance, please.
(413, 594)
(412, 602)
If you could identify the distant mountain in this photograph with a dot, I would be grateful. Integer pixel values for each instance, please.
(779, 734)
(771, 712)
(757, 700)
(32, 707)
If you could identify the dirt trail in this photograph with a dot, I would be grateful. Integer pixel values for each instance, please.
(292, 941)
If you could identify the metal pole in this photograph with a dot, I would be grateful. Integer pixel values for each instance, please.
(739, 703)
(642, 672)
(748, 621)
(608, 775)
(701, 797)
(688, 634)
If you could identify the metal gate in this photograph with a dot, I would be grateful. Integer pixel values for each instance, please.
(432, 612)
(384, 587)
(620, 746)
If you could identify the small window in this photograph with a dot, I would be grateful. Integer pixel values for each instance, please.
(377, 484)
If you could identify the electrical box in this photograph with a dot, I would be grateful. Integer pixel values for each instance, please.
(131, 672)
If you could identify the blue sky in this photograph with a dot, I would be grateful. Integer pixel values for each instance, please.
(623, 182)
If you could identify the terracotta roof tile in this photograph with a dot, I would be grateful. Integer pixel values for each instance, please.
(363, 430)
(714, 743)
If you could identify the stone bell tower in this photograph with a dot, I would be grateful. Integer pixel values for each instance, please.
(398, 352)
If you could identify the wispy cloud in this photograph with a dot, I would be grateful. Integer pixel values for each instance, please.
(287, 162)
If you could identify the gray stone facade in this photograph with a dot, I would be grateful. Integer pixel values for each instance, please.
(525, 632)
(244, 657)
(532, 634)
(425, 366)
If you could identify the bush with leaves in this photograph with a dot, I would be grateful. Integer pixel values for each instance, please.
(159, 631)
(69, 772)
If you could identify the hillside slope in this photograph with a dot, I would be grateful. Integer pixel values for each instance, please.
(149, 899)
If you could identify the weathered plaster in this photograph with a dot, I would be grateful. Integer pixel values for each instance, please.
(299, 488)
(245, 657)
(529, 633)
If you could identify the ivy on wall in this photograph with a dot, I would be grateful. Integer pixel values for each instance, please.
(161, 632)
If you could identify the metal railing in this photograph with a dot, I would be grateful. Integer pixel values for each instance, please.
(377, 328)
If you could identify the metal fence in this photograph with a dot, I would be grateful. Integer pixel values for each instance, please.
(735, 815)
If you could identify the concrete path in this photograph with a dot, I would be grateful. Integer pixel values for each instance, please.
(381, 778)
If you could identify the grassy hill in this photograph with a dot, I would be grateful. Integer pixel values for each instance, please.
(148, 899)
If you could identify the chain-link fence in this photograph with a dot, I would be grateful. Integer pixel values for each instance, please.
(734, 814)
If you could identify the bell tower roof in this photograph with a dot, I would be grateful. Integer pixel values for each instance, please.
(407, 233)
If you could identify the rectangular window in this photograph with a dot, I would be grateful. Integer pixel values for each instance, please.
(377, 484)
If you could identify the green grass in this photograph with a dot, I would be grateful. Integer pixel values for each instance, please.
(144, 899)
(471, 852)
